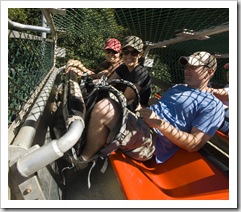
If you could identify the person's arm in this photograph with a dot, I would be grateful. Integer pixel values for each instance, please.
(130, 94)
(85, 70)
(77, 67)
(220, 93)
(114, 76)
(99, 75)
(191, 142)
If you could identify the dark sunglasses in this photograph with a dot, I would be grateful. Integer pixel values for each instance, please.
(110, 51)
(133, 52)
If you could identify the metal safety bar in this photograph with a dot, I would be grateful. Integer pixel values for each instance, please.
(35, 158)
(50, 152)
(187, 36)
(15, 25)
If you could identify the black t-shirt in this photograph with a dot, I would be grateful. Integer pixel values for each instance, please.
(139, 76)
(106, 65)
(103, 66)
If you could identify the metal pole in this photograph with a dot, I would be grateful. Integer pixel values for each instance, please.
(50, 152)
(43, 25)
(12, 24)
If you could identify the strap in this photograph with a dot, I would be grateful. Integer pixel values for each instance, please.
(89, 173)
(94, 90)
(132, 86)
(105, 165)
(107, 150)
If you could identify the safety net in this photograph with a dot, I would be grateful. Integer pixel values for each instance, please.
(80, 33)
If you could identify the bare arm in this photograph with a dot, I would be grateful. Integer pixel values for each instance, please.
(220, 93)
(130, 94)
(191, 142)
(77, 67)
(114, 76)
(99, 75)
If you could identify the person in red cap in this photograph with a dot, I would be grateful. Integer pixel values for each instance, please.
(112, 60)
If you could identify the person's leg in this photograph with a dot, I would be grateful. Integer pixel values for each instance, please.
(139, 140)
(103, 119)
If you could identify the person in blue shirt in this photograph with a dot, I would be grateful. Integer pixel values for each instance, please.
(186, 117)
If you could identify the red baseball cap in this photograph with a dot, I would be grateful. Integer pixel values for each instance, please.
(113, 44)
(226, 66)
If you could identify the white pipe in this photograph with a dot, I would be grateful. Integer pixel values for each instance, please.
(43, 25)
(52, 151)
(28, 27)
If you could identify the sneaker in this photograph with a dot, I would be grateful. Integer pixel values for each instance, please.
(78, 163)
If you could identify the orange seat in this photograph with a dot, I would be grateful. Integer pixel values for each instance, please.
(184, 176)
(222, 136)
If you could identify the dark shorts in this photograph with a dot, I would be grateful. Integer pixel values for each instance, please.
(138, 142)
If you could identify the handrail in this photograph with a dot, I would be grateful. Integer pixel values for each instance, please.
(37, 157)
(52, 151)
(194, 35)
(12, 24)
(37, 110)
(47, 15)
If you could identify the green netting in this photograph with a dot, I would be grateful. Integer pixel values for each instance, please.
(83, 32)
(89, 28)
(28, 63)
(160, 24)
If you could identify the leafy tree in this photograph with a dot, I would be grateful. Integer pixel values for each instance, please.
(30, 16)
(94, 26)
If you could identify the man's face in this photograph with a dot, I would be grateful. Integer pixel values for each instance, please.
(195, 75)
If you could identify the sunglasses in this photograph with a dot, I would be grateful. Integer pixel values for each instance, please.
(133, 52)
(110, 51)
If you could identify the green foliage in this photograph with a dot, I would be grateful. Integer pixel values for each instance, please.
(94, 26)
(30, 16)
(160, 69)
(17, 14)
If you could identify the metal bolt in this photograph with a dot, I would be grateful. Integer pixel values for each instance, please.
(27, 191)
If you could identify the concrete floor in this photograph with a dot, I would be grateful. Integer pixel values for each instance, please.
(104, 186)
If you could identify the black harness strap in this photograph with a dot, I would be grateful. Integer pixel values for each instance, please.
(91, 93)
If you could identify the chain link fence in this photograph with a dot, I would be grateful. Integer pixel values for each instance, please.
(30, 59)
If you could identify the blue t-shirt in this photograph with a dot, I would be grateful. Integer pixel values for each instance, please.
(184, 108)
